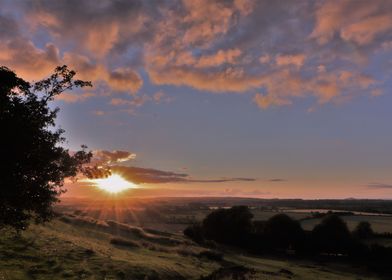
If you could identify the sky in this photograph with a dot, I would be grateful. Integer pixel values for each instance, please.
(269, 99)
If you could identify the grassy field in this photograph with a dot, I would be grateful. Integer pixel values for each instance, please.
(76, 248)
(379, 224)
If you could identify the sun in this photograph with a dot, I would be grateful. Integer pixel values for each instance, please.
(113, 184)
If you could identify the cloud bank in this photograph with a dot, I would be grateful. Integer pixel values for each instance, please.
(276, 52)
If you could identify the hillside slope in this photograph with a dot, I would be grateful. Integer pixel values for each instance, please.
(84, 248)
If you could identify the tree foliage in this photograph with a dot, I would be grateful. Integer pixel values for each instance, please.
(332, 235)
(283, 232)
(195, 232)
(230, 226)
(33, 162)
(363, 230)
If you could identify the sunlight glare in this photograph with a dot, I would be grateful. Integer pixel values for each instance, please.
(113, 184)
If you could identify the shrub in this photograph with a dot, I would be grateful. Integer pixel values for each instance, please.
(363, 230)
(230, 226)
(282, 232)
(332, 236)
(211, 255)
(195, 232)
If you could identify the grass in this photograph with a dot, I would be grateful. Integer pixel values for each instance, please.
(75, 249)
(124, 242)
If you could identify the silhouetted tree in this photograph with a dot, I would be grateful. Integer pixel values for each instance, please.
(195, 232)
(258, 227)
(282, 232)
(332, 236)
(33, 163)
(363, 230)
(230, 226)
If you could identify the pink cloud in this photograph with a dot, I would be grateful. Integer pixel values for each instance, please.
(356, 21)
(295, 59)
(280, 51)
(30, 62)
(124, 79)
(69, 97)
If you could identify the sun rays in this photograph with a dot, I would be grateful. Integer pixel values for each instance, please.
(113, 184)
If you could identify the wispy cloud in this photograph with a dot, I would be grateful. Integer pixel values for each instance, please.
(379, 186)
(105, 163)
(277, 180)
(153, 176)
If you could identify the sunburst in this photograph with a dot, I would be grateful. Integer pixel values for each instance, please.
(115, 183)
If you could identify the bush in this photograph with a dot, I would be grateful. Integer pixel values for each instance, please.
(332, 236)
(195, 232)
(363, 230)
(282, 232)
(229, 226)
(211, 255)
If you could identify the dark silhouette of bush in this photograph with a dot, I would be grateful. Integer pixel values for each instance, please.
(282, 232)
(258, 227)
(33, 163)
(195, 232)
(379, 259)
(211, 255)
(363, 230)
(229, 226)
(332, 236)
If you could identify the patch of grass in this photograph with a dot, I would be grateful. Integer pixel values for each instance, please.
(124, 242)
(237, 272)
(211, 255)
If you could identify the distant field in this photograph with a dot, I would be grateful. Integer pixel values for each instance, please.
(176, 226)
(73, 248)
(265, 215)
(379, 224)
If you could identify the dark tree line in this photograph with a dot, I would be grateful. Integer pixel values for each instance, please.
(33, 161)
(282, 234)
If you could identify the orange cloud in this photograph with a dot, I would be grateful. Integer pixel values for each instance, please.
(364, 31)
(356, 21)
(265, 58)
(120, 79)
(219, 58)
(265, 101)
(275, 51)
(136, 101)
(103, 157)
(30, 62)
(229, 79)
(283, 86)
(296, 59)
(160, 96)
(208, 19)
(69, 97)
(124, 79)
